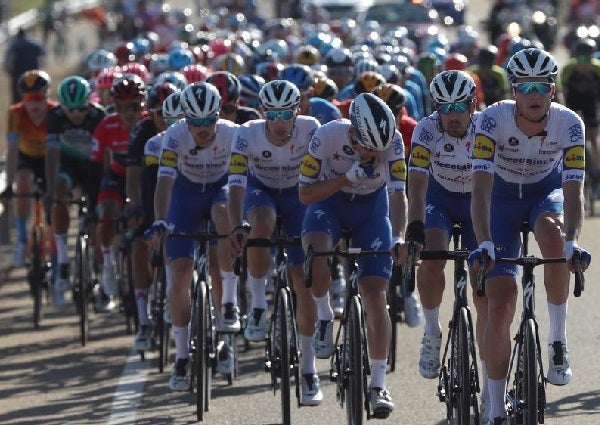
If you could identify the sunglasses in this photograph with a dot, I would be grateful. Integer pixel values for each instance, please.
(128, 107)
(527, 88)
(228, 109)
(171, 121)
(202, 122)
(448, 108)
(82, 108)
(35, 96)
(285, 115)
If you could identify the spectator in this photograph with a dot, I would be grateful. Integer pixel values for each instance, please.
(24, 53)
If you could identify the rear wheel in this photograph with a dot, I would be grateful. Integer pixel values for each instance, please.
(460, 374)
(83, 277)
(36, 277)
(162, 327)
(527, 385)
(355, 372)
(202, 361)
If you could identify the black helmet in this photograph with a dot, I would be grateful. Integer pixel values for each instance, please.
(584, 47)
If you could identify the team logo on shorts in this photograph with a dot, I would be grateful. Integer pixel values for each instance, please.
(575, 157)
(398, 170)
(483, 148)
(169, 159)
(238, 164)
(310, 166)
(419, 157)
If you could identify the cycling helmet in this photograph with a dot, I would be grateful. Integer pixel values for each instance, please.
(173, 77)
(178, 58)
(128, 87)
(228, 85)
(230, 62)
(364, 65)
(339, 57)
(392, 94)
(373, 122)
(300, 75)
(106, 77)
(455, 62)
(532, 63)
(194, 73)
(124, 53)
(307, 55)
(487, 56)
(326, 89)
(200, 100)
(250, 88)
(73, 92)
(279, 94)
(428, 63)
(141, 45)
(34, 80)
(390, 73)
(159, 63)
(584, 47)
(367, 81)
(158, 93)
(269, 70)
(137, 69)
(452, 86)
(171, 107)
(99, 59)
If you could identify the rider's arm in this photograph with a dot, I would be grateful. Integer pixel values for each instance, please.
(398, 208)
(480, 205)
(235, 205)
(12, 147)
(573, 206)
(52, 164)
(162, 197)
(317, 191)
(417, 191)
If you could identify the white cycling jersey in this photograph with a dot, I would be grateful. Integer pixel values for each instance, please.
(445, 158)
(276, 167)
(180, 155)
(501, 148)
(331, 155)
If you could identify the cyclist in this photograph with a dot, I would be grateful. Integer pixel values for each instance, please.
(230, 88)
(110, 145)
(439, 195)
(345, 179)
(140, 182)
(263, 182)
(25, 136)
(69, 131)
(494, 81)
(193, 172)
(528, 163)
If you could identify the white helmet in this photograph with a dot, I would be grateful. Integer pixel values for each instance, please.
(452, 86)
(532, 62)
(279, 94)
(200, 100)
(171, 107)
(373, 120)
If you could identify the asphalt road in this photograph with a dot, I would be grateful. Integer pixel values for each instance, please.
(47, 377)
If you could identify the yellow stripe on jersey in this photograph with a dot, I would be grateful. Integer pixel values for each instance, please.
(311, 166)
(238, 164)
(398, 170)
(168, 159)
(575, 158)
(419, 157)
(483, 148)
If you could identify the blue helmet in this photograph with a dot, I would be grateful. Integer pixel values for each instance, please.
(300, 75)
(179, 58)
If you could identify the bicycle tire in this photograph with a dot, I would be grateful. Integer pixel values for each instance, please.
(394, 312)
(354, 388)
(283, 353)
(460, 375)
(35, 276)
(83, 276)
(527, 385)
(162, 327)
(199, 364)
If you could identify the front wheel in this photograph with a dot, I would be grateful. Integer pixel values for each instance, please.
(460, 374)
(282, 352)
(355, 372)
(527, 377)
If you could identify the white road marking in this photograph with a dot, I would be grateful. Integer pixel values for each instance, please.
(130, 390)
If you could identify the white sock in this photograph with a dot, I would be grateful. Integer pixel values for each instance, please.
(107, 255)
(257, 289)
(307, 355)
(181, 335)
(557, 330)
(62, 250)
(141, 299)
(432, 321)
(378, 370)
(324, 311)
(229, 280)
(497, 391)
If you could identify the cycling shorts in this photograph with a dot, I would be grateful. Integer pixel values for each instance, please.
(35, 164)
(366, 216)
(112, 187)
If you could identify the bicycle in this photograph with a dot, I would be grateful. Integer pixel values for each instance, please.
(527, 397)
(398, 289)
(203, 334)
(161, 329)
(458, 381)
(84, 270)
(124, 274)
(349, 365)
(39, 249)
(282, 356)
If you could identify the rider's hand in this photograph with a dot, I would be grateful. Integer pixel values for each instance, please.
(7, 193)
(585, 258)
(476, 257)
(360, 171)
(238, 237)
(157, 232)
